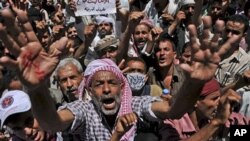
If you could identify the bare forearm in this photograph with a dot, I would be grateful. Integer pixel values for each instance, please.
(115, 137)
(44, 109)
(172, 28)
(206, 132)
(150, 46)
(82, 50)
(187, 97)
(124, 20)
(197, 12)
(124, 44)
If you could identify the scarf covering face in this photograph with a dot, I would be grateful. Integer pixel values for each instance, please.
(109, 65)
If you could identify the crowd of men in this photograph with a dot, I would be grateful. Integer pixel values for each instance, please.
(156, 70)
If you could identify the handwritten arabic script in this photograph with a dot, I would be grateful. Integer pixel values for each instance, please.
(79, 2)
(95, 7)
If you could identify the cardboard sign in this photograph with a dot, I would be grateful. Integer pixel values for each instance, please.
(95, 7)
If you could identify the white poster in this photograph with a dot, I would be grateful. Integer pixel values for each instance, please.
(95, 7)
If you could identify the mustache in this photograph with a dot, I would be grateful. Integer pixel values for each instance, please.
(107, 97)
(71, 89)
(141, 40)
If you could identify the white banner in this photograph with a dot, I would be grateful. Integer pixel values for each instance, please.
(94, 7)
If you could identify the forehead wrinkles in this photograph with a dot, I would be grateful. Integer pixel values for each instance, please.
(105, 75)
(142, 27)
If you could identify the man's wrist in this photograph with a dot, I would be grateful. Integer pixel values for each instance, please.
(117, 135)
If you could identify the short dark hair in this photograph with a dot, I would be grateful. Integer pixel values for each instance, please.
(137, 59)
(247, 7)
(241, 19)
(185, 46)
(70, 25)
(16, 117)
(164, 36)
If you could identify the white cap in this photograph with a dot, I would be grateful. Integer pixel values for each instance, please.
(186, 2)
(13, 102)
(104, 19)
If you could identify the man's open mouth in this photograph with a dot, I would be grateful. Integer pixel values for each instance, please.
(108, 103)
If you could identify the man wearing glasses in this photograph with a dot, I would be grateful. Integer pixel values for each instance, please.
(236, 60)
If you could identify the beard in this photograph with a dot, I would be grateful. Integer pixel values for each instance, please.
(102, 33)
(100, 101)
(70, 94)
(140, 44)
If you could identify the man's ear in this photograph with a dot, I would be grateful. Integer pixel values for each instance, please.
(196, 104)
(90, 91)
(175, 55)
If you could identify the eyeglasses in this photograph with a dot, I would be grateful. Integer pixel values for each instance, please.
(235, 32)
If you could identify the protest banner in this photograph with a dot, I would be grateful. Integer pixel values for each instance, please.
(95, 7)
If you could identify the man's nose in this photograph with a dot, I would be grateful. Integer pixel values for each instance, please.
(162, 51)
(141, 35)
(108, 55)
(190, 9)
(106, 88)
(69, 83)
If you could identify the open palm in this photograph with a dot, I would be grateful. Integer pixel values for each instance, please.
(32, 63)
(206, 55)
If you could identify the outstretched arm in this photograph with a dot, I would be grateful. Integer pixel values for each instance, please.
(33, 66)
(206, 56)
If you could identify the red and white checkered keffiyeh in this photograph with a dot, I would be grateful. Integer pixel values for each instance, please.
(109, 65)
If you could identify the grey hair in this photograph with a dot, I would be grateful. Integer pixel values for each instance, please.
(67, 61)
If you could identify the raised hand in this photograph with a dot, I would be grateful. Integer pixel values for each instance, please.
(167, 18)
(32, 63)
(122, 66)
(180, 16)
(21, 4)
(134, 19)
(124, 123)
(122, 11)
(90, 31)
(225, 106)
(206, 55)
(155, 32)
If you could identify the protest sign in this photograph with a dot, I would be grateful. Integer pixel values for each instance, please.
(95, 7)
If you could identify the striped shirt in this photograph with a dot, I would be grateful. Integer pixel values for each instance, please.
(92, 126)
(228, 68)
